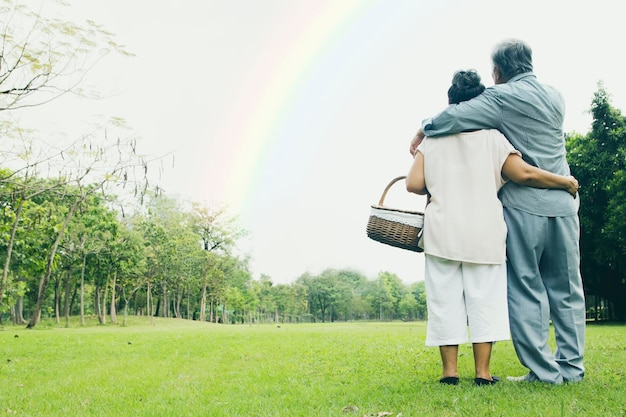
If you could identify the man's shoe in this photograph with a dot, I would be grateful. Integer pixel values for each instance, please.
(483, 381)
(523, 378)
(449, 380)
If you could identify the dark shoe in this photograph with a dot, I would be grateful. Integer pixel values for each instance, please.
(483, 381)
(449, 380)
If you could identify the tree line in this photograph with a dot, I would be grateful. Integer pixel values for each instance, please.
(166, 260)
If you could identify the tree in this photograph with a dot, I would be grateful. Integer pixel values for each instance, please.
(266, 307)
(215, 228)
(408, 307)
(43, 58)
(17, 190)
(351, 287)
(51, 256)
(387, 295)
(418, 290)
(98, 165)
(91, 234)
(598, 161)
(235, 299)
(24, 226)
(218, 233)
(321, 294)
(128, 257)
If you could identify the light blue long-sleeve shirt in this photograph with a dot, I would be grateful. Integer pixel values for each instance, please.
(530, 115)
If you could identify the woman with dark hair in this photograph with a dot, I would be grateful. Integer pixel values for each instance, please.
(464, 237)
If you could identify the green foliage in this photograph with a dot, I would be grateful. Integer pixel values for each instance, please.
(42, 58)
(598, 161)
(347, 295)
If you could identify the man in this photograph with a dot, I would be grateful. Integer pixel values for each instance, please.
(543, 257)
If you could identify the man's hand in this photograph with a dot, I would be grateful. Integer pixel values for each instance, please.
(417, 139)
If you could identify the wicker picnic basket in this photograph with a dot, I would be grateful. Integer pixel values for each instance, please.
(399, 228)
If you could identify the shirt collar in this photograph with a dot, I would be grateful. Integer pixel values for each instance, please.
(520, 76)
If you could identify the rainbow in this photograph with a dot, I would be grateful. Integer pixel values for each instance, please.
(265, 99)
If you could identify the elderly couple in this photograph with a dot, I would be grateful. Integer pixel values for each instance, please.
(501, 227)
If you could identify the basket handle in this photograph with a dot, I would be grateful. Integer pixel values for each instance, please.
(393, 181)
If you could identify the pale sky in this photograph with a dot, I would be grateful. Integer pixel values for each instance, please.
(297, 113)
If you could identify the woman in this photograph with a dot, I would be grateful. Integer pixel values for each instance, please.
(465, 234)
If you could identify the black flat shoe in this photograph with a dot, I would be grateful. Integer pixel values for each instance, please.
(483, 381)
(449, 380)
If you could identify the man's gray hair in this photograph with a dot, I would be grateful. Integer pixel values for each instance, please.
(512, 57)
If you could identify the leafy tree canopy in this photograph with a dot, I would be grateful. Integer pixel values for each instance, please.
(598, 161)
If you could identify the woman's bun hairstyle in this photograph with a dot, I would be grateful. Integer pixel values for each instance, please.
(465, 86)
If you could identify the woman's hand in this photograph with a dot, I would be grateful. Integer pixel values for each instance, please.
(417, 139)
(572, 186)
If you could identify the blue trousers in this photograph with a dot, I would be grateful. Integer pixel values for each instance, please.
(544, 283)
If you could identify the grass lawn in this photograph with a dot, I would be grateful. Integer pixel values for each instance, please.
(171, 367)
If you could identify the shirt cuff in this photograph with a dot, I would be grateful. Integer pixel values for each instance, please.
(427, 124)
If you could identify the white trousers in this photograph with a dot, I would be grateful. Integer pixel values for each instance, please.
(462, 294)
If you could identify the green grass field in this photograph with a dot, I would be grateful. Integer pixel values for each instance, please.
(171, 367)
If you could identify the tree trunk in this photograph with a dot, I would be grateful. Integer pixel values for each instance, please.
(125, 312)
(149, 301)
(96, 304)
(66, 301)
(19, 310)
(102, 301)
(113, 297)
(126, 299)
(179, 303)
(73, 299)
(82, 290)
(7, 260)
(188, 303)
(176, 302)
(45, 278)
(105, 293)
(165, 301)
(57, 299)
(12, 314)
(203, 304)
(157, 309)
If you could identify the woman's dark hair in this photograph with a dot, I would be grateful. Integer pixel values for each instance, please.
(465, 86)
(512, 57)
